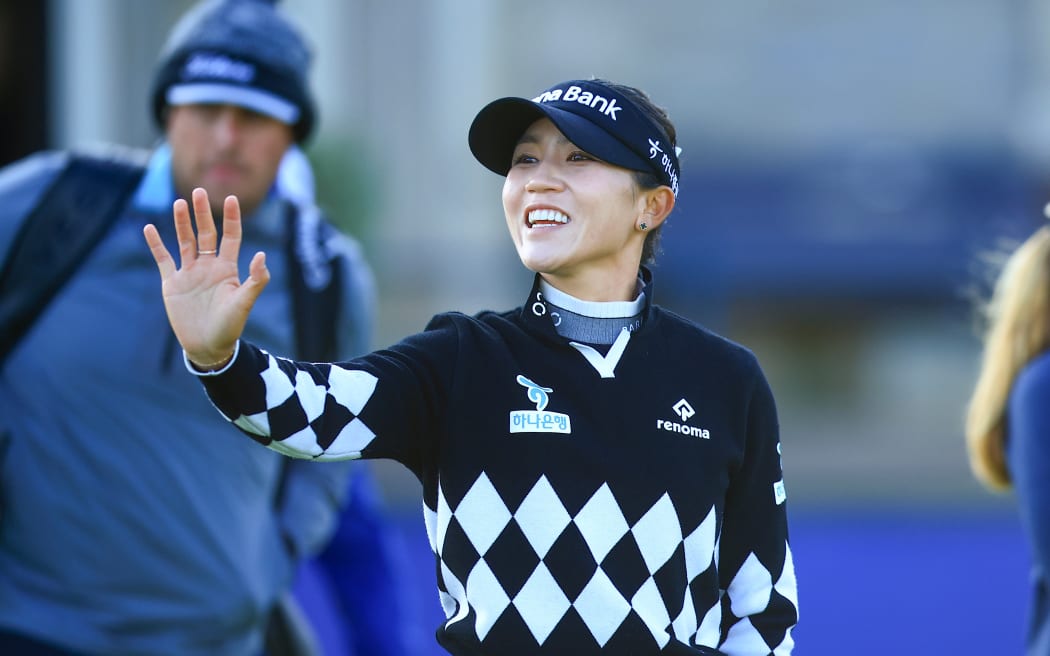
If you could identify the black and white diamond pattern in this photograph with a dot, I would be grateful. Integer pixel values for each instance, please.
(603, 573)
(627, 573)
(297, 403)
(749, 593)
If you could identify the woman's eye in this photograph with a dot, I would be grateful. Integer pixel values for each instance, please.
(522, 158)
(578, 156)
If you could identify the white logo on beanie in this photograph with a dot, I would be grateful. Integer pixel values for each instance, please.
(218, 67)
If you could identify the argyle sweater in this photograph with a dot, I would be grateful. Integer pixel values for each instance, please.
(577, 502)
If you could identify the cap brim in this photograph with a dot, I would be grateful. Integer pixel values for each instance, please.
(262, 102)
(499, 125)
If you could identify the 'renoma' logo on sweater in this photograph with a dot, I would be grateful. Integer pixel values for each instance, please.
(538, 420)
(685, 412)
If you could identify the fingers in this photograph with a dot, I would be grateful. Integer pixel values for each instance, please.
(184, 231)
(257, 272)
(231, 229)
(258, 277)
(207, 238)
(161, 256)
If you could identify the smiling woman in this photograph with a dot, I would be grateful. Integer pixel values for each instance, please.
(599, 475)
(587, 114)
(575, 219)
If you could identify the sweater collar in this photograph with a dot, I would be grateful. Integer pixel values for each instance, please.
(535, 312)
(593, 309)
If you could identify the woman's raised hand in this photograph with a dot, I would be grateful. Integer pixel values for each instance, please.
(206, 302)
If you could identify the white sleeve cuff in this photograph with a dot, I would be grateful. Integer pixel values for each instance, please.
(195, 372)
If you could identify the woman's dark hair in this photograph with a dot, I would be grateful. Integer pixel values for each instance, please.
(646, 179)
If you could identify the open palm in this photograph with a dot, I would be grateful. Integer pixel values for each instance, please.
(206, 302)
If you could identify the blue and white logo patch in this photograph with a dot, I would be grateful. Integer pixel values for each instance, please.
(538, 420)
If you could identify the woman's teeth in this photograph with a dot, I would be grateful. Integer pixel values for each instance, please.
(546, 217)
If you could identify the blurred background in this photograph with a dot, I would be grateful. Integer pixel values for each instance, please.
(849, 172)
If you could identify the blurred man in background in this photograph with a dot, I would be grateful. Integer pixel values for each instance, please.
(115, 540)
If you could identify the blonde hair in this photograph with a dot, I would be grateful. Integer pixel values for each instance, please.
(1017, 330)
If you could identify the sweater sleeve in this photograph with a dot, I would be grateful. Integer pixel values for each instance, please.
(1028, 419)
(386, 404)
(759, 604)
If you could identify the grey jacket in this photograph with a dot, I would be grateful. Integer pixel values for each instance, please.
(134, 519)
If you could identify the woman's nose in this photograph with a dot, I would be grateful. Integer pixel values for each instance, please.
(544, 178)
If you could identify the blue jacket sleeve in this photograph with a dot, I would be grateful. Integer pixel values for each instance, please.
(1028, 418)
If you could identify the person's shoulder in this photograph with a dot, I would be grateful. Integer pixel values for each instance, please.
(482, 326)
(23, 185)
(340, 244)
(343, 246)
(32, 174)
(690, 336)
(497, 316)
(457, 318)
(23, 182)
(1032, 384)
(114, 156)
(1028, 415)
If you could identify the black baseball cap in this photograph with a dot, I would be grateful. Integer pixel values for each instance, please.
(591, 114)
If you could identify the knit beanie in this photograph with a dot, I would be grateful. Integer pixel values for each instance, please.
(238, 52)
